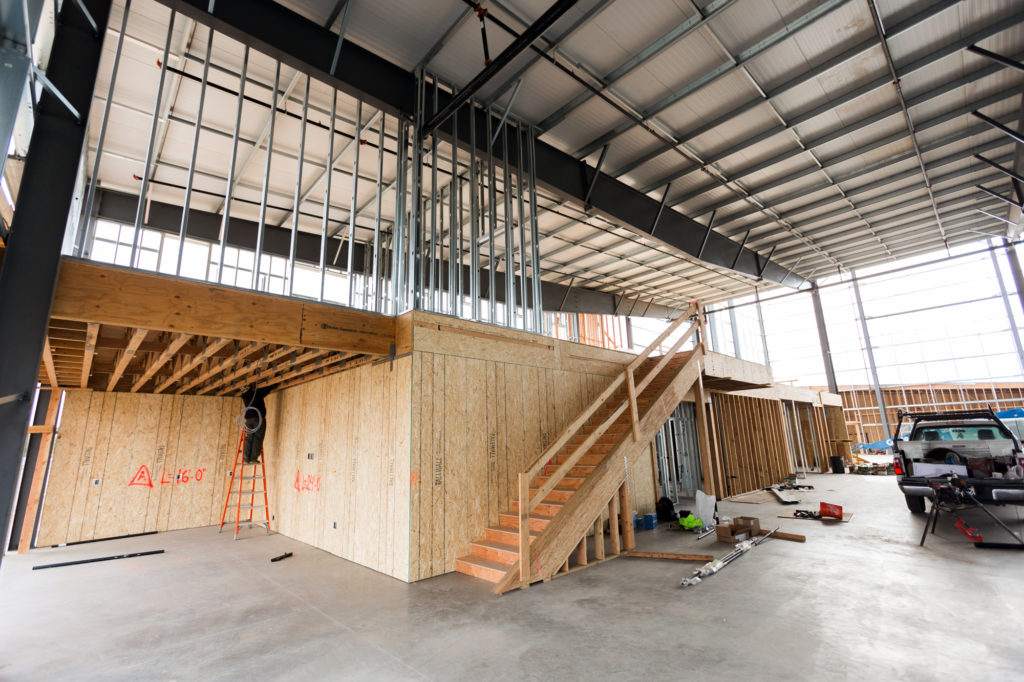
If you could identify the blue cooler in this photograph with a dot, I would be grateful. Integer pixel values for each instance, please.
(650, 521)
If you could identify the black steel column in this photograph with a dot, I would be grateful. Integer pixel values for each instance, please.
(826, 351)
(28, 275)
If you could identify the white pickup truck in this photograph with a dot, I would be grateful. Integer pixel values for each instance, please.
(975, 445)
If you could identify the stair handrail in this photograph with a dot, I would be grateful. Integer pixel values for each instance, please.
(528, 503)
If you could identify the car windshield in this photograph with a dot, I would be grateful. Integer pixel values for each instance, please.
(949, 433)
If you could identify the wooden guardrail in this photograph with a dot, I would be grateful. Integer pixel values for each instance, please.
(528, 503)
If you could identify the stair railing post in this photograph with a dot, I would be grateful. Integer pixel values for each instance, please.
(633, 412)
(524, 531)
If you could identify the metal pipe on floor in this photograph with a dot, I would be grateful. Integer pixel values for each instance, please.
(266, 180)
(226, 217)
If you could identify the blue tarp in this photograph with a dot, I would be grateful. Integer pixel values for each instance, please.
(877, 445)
(1013, 413)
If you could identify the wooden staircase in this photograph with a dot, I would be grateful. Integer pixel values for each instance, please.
(583, 473)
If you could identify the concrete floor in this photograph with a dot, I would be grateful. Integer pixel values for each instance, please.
(857, 600)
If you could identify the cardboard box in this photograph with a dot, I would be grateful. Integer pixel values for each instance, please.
(740, 529)
(752, 522)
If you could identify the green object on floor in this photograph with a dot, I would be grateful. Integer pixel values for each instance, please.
(691, 522)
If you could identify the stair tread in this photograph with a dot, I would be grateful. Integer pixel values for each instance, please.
(494, 544)
(485, 563)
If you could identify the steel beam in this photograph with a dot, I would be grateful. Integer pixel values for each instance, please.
(273, 29)
(525, 39)
(826, 350)
(28, 275)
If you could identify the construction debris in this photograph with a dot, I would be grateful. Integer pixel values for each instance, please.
(713, 567)
(811, 515)
(668, 555)
(104, 558)
(279, 558)
(792, 537)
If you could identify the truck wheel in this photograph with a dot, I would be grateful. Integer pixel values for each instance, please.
(915, 503)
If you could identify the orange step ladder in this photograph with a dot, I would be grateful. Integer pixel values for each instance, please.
(239, 474)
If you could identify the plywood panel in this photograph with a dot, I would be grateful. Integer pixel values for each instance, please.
(126, 463)
(485, 403)
(353, 497)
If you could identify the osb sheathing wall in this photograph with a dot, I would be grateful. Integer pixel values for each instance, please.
(337, 454)
(128, 463)
(486, 402)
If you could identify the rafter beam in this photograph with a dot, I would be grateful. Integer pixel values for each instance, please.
(175, 344)
(239, 371)
(272, 370)
(186, 367)
(92, 333)
(221, 366)
(126, 356)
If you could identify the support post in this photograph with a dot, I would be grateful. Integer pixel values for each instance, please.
(871, 356)
(28, 275)
(28, 522)
(525, 569)
(703, 436)
(581, 552)
(613, 523)
(599, 539)
(626, 520)
(1014, 334)
(826, 351)
(760, 324)
(1015, 270)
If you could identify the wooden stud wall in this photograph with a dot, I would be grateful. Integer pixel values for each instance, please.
(860, 405)
(485, 403)
(105, 439)
(752, 437)
(352, 498)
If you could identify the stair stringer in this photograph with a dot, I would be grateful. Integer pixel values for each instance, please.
(561, 536)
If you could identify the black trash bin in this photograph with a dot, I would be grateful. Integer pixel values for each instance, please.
(838, 466)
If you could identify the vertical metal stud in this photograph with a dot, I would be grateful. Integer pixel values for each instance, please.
(527, 322)
(492, 222)
(226, 218)
(377, 303)
(183, 231)
(455, 217)
(474, 224)
(148, 165)
(328, 172)
(298, 190)
(352, 204)
(398, 269)
(538, 307)
(266, 179)
(510, 230)
(435, 195)
(85, 224)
